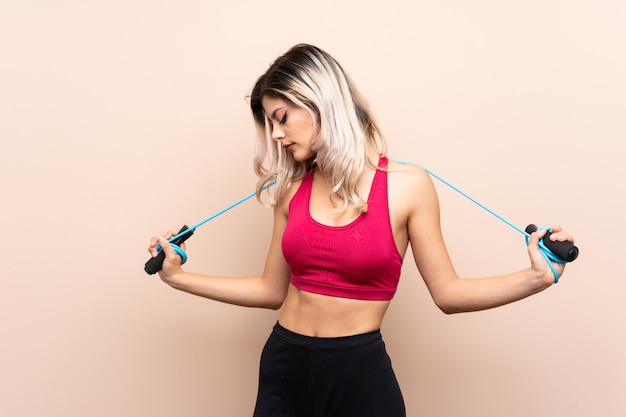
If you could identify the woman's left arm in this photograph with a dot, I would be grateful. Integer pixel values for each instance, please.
(451, 293)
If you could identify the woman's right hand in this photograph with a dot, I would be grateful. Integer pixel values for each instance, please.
(172, 262)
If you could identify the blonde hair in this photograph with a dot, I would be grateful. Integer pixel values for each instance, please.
(312, 79)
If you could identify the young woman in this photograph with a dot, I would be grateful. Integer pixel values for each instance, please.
(344, 216)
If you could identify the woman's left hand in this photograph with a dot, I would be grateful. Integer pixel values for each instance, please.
(538, 262)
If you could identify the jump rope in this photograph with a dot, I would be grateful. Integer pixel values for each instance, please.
(559, 252)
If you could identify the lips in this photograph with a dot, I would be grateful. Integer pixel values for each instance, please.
(288, 146)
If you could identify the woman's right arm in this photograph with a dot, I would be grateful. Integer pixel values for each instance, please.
(267, 290)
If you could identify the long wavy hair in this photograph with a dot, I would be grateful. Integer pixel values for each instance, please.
(312, 79)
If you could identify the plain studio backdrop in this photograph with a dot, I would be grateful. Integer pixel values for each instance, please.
(121, 119)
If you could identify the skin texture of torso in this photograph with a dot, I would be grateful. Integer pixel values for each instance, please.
(325, 316)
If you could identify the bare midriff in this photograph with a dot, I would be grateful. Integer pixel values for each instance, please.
(319, 315)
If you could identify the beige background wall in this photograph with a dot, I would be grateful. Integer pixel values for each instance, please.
(119, 119)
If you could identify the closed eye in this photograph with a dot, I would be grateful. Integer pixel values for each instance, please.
(283, 119)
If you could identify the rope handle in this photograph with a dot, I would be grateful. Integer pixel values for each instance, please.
(155, 264)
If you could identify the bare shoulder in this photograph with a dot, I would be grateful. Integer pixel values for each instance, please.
(412, 193)
(408, 179)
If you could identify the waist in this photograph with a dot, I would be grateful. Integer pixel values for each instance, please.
(326, 342)
(319, 315)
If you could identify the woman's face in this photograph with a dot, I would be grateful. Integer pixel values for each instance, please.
(290, 125)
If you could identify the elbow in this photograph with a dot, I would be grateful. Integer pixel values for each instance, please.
(447, 308)
(276, 302)
(447, 304)
(442, 304)
(447, 299)
(275, 305)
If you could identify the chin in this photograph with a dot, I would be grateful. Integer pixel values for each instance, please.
(300, 157)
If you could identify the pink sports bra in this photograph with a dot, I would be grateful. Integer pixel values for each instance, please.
(359, 260)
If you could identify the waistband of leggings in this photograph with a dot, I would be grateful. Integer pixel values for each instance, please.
(326, 342)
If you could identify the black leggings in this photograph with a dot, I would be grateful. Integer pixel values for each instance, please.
(303, 376)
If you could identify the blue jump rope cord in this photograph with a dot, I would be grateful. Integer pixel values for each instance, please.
(180, 251)
(547, 254)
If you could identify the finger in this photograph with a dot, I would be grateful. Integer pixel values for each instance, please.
(172, 260)
(165, 245)
(536, 236)
(152, 248)
(170, 254)
(558, 234)
(155, 241)
(533, 246)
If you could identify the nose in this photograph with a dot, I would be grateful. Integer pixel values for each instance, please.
(277, 134)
